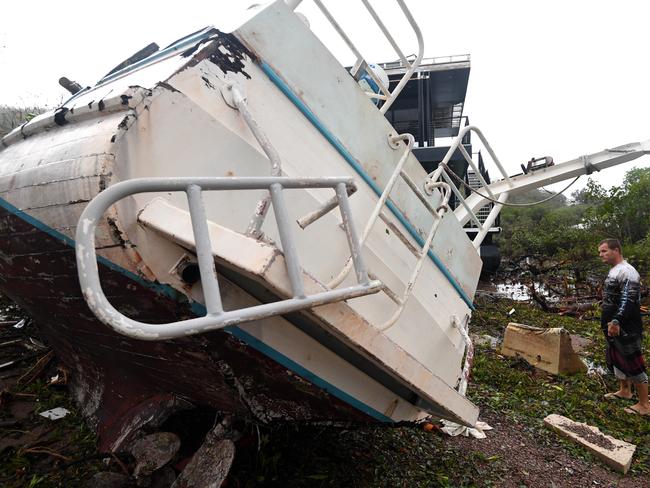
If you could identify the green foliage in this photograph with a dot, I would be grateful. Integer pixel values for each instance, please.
(545, 229)
(571, 230)
(12, 117)
(527, 395)
(622, 211)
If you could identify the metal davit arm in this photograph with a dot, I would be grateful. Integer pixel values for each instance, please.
(582, 165)
(499, 191)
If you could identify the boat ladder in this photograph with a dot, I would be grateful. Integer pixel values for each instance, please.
(420, 253)
(361, 67)
(216, 317)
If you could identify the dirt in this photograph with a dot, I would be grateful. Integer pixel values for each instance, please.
(590, 436)
(38, 452)
(526, 460)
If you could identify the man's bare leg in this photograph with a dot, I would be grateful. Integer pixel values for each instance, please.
(625, 390)
(643, 407)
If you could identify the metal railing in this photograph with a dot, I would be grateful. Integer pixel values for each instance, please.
(235, 97)
(433, 61)
(216, 316)
(441, 172)
(361, 65)
(474, 182)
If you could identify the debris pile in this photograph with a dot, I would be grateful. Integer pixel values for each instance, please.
(42, 437)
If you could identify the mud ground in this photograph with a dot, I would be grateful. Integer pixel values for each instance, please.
(519, 452)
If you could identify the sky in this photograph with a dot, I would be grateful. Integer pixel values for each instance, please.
(559, 78)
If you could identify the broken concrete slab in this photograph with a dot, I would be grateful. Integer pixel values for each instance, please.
(210, 465)
(580, 344)
(485, 340)
(615, 453)
(546, 349)
(154, 451)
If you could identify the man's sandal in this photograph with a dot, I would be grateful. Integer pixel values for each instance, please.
(634, 411)
(614, 396)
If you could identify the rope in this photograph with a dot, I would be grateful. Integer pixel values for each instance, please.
(473, 190)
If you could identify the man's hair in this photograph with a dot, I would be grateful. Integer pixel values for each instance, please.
(612, 244)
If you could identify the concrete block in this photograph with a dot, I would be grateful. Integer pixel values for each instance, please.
(546, 349)
(615, 453)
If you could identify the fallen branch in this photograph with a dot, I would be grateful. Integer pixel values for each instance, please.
(36, 370)
(45, 450)
(120, 464)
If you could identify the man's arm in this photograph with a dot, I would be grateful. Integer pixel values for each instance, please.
(629, 300)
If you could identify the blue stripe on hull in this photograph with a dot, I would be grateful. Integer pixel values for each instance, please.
(284, 88)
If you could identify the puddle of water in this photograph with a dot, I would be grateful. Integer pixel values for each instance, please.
(554, 292)
(515, 290)
(520, 292)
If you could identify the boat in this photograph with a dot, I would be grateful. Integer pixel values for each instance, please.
(232, 223)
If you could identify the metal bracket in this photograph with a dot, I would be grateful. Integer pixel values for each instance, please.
(395, 140)
(589, 167)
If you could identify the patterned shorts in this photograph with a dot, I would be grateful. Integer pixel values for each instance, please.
(624, 357)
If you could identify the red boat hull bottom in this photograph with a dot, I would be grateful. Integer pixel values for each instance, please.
(121, 383)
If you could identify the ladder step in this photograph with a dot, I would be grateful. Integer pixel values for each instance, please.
(400, 235)
(389, 292)
(407, 179)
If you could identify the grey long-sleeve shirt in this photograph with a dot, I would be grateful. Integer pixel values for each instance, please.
(621, 298)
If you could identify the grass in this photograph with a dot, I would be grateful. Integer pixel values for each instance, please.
(370, 456)
(512, 387)
(375, 456)
(69, 437)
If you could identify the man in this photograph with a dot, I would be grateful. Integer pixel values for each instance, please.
(622, 326)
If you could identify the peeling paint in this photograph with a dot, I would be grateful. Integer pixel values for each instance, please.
(117, 233)
(224, 50)
(207, 82)
(124, 123)
(85, 225)
(167, 86)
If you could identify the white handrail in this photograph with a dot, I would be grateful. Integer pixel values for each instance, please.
(216, 317)
(378, 207)
(407, 76)
(388, 96)
(442, 172)
(381, 25)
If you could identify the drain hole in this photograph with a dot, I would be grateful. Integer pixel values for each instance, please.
(190, 273)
